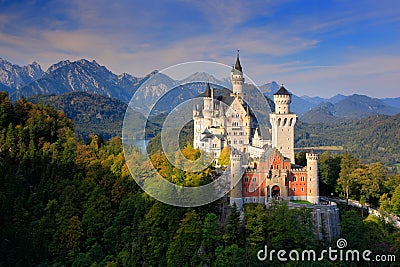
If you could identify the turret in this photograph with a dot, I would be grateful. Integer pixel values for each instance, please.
(236, 178)
(237, 78)
(282, 122)
(312, 178)
(282, 100)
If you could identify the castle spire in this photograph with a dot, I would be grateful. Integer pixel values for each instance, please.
(238, 66)
(208, 91)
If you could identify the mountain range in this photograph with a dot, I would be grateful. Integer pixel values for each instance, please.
(89, 76)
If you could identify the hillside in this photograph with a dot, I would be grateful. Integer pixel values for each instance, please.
(350, 107)
(91, 113)
(372, 139)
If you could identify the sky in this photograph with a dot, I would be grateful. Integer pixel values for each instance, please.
(315, 48)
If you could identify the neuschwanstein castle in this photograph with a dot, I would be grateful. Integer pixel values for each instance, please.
(260, 169)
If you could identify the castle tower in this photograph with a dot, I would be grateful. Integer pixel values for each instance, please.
(237, 78)
(236, 179)
(197, 121)
(247, 122)
(282, 122)
(208, 104)
(312, 178)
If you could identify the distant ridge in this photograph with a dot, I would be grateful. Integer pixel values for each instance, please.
(89, 76)
(351, 107)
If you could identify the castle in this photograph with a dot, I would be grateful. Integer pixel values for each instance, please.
(261, 169)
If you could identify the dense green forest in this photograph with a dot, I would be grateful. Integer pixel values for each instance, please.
(91, 113)
(66, 202)
(372, 139)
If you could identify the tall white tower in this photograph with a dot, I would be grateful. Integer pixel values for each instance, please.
(312, 178)
(237, 78)
(236, 179)
(282, 122)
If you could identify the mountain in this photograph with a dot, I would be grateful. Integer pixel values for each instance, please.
(350, 107)
(324, 112)
(95, 114)
(336, 98)
(13, 77)
(203, 76)
(91, 113)
(318, 100)
(394, 102)
(81, 75)
(373, 139)
(313, 99)
(357, 106)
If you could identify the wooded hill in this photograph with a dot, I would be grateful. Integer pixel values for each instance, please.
(372, 139)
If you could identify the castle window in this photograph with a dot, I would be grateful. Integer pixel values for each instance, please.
(302, 179)
(294, 189)
(302, 189)
(247, 189)
(246, 179)
(294, 179)
(310, 190)
(310, 179)
(310, 168)
(254, 179)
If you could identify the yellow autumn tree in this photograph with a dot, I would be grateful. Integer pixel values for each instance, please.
(224, 158)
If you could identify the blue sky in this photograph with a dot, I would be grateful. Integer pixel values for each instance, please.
(313, 47)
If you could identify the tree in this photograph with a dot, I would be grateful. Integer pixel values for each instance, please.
(210, 240)
(346, 182)
(371, 181)
(224, 158)
(183, 251)
(395, 202)
(230, 256)
(300, 158)
(232, 231)
(329, 169)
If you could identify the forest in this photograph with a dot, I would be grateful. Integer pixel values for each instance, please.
(69, 202)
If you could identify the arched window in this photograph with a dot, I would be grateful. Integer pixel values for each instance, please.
(284, 122)
(291, 122)
(279, 121)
